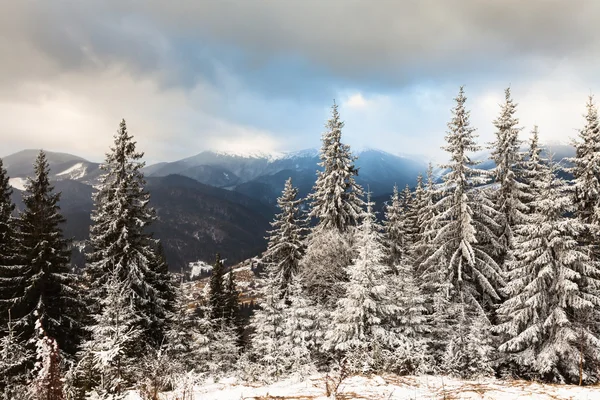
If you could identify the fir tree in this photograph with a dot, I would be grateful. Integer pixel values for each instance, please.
(473, 275)
(548, 319)
(323, 267)
(336, 199)
(410, 216)
(232, 305)
(187, 336)
(533, 170)
(224, 349)
(120, 240)
(303, 330)
(13, 356)
(427, 227)
(469, 349)
(218, 297)
(510, 196)
(109, 359)
(48, 381)
(285, 248)
(396, 229)
(161, 306)
(410, 324)
(268, 323)
(358, 329)
(585, 188)
(460, 277)
(47, 291)
(8, 246)
(416, 208)
(586, 169)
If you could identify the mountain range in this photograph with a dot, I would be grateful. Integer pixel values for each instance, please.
(211, 202)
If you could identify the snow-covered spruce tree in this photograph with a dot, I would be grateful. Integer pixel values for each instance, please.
(427, 227)
(336, 204)
(510, 196)
(410, 355)
(223, 349)
(459, 275)
(222, 310)
(396, 229)
(285, 248)
(336, 200)
(416, 208)
(46, 290)
(271, 347)
(109, 363)
(48, 381)
(161, 306)
(8, 246)
(119, 238)
(548, 319)
(410, 216)
(360, 331)
(187, 336)
(13, 356)
(533, 170)
(303, 324)
(586, 178)
(469, 345)
(268, 324)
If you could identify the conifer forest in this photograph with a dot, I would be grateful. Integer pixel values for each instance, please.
(471, 273)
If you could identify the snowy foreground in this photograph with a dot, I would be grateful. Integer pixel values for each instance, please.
(392, 387)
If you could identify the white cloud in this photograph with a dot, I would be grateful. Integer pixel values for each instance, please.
(356, 101)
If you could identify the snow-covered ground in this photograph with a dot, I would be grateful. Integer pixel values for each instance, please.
(393, 387)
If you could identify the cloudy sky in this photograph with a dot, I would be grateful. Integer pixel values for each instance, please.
(239, 75)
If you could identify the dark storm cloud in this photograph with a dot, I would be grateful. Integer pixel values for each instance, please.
(274, 43)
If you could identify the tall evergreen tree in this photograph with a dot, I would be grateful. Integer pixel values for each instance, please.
(47, 291)
(336, 201)
(285, 248)
(218, 296)
(586, 179)
(161, 306)
(360, 329)
(120, 240)
(472, 274)
(422, 246)
(533, 171)
(269, 338)
(109, 357)
(48, 382)
(459, 275)
(188, 333)
(8, 246)
(506, 154)
(396, 229)
(410, 216)
(13, 357)
(550, 315)
(232, 305)
(416, 208)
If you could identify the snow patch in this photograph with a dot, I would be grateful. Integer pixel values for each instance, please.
(18, 183)
(77, 171)
(199, 267)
